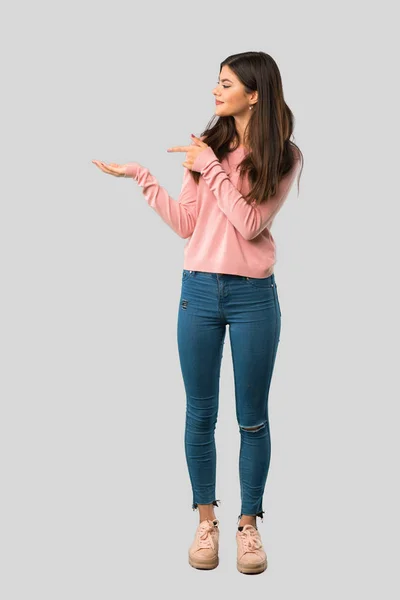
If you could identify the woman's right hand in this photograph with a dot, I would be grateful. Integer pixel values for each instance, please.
(127, 170)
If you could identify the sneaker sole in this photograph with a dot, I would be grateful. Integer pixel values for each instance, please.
(248, 569)
(204, 564)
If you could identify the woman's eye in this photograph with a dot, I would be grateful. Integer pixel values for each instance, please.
(224, 86)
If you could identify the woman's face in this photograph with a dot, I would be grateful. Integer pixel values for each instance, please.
(230, 91)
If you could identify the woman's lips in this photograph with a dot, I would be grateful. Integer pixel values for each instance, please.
(218, 102)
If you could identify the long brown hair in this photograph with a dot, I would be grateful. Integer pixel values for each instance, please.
(271, 153)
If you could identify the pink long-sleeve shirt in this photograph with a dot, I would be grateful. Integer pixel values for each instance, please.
(225, 233)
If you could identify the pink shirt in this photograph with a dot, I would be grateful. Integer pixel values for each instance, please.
(225, 233)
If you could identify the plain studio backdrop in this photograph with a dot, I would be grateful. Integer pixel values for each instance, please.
(95, 494)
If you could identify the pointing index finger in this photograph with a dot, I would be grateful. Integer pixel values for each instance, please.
(179, 149)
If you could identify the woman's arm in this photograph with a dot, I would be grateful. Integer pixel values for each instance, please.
(248, 219)
(180, 215)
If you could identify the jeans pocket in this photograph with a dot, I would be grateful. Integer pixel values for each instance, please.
(186, 274)
(263, 283)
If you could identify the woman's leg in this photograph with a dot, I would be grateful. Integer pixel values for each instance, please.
(201, 335)
(255, 324)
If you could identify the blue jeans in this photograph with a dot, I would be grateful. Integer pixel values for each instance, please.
(208, 302)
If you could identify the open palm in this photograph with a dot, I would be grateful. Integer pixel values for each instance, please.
(111, 168)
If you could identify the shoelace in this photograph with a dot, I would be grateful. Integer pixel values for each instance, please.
(205, 538)
(251, 540)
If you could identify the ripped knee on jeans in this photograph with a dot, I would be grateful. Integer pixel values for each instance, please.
(255, 428)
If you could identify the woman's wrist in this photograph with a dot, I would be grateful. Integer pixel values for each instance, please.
(131, 169)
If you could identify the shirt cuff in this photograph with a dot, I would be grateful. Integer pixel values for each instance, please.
(132, 169)
(203, 159)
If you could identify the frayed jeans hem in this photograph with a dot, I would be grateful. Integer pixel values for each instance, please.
(259, 514)
(196, 504)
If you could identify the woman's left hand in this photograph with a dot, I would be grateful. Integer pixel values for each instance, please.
(192, 151)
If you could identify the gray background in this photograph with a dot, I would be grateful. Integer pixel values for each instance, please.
(95, 494)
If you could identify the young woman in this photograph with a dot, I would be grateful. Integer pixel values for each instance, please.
(237, 175)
